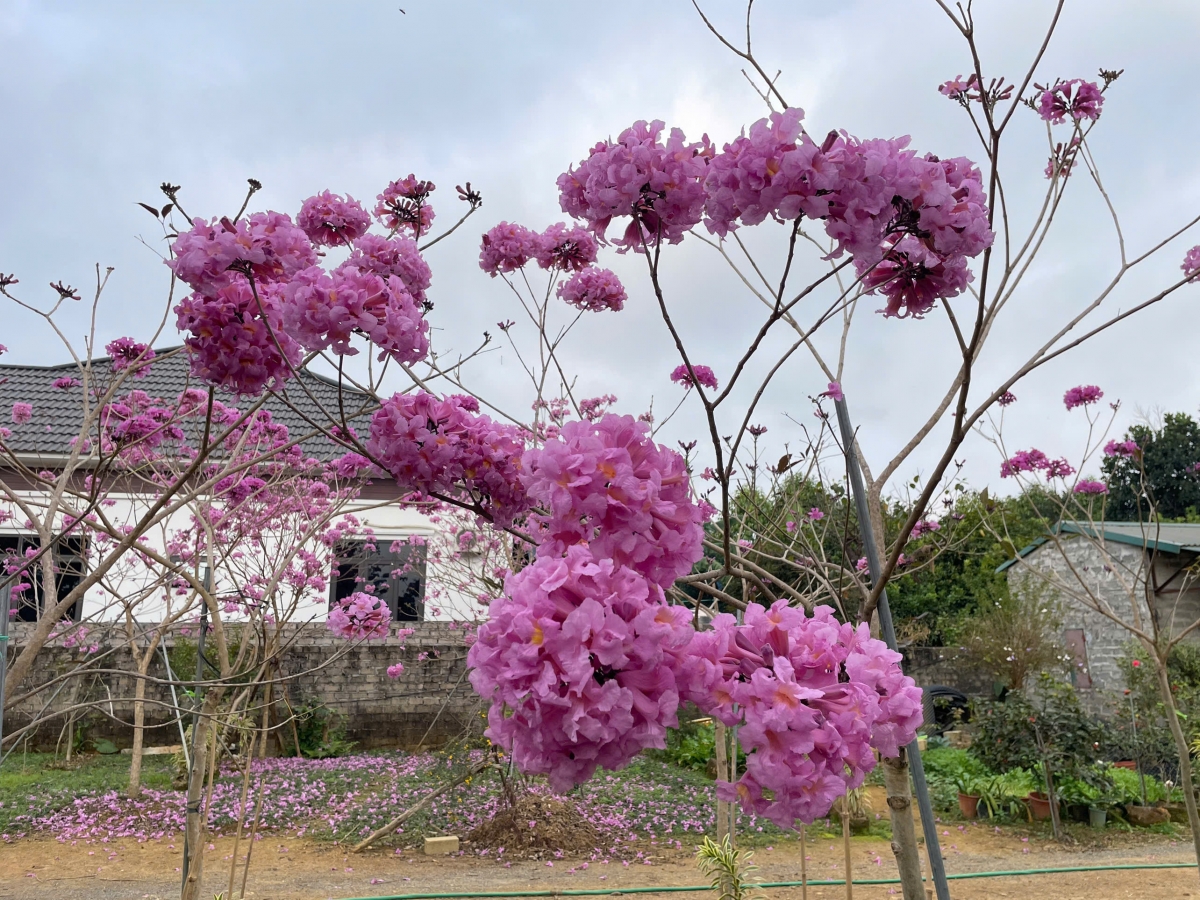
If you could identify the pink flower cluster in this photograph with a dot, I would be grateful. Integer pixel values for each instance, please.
(579, 660)
(909, 222)
(359, 617)
(236, 340)
(440, 446)
(21, 413)
(1122, 448)
(959, 88)
(814, 698)
(704, 375)
(658, 185)
(593, 290)
(325, 310)
(1191, 263)
(1076, 98)
(261, 299)
(1035, 461)
(1082, 395)
(1088, 486)
(924, 527)
(609, 485)
(125, 352)
(330, 221)
(404, 205)
(268, 243)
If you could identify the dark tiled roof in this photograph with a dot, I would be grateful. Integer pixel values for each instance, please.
(57, 414)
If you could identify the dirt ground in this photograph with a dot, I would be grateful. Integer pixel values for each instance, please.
(285, 869)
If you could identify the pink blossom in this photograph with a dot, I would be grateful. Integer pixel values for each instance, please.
(815, 515)
(126, 352)
(396, 670)
(439, 447)
(268, 243)
(578, 661)
(397, 256)
(21, 413)
(658, 185)
(814, 698)
(1076, 98)
(594, 408)
(924, 527)
(1082, 395)
(862, 565)
(595, 290)
(958, 87)
(1024, 461)
(1059, 468)
(404, 205)
(1121, 448)
(608, 484)
(703, 374)
(1191, 263)
(1088, 486)
(235, 340)
(1008, 398)
(330, 221)
(323, 310)
(65, 383)
(835, 392)
(790, 526)
(564, 247)
(359, 617)
(506, 248)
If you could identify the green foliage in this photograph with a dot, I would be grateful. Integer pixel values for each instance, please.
(963, 577)
(1127, 787)
(322, 732)
(1016, 634)
(1053, 728)
(948, 770)
(1163, 482)
(691, 745)
(728, 869)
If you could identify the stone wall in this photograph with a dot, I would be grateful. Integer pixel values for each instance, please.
(948, 666)
(432, 701)
(1082, 573)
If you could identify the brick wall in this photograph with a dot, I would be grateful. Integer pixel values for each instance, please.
(431, 700)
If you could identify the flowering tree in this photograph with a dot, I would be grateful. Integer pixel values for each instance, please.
(583, 658)
(1119, 583)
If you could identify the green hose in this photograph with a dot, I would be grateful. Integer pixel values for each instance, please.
(825, 882)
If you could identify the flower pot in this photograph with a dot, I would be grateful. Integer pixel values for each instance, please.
(1126, 764)
(968, 804)
(1097, 818)
(1147, 815)
(1039, 805)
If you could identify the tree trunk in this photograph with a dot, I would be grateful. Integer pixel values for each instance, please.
(194, 824)
(1181, 748)
(904, 834)
(139, 728)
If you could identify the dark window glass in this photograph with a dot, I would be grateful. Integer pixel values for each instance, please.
(396, 576)
(69, 568)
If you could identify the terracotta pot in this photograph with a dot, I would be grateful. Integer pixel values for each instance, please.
(1126, 764)
(968, 804)
(1147, 815)
(1039, 805)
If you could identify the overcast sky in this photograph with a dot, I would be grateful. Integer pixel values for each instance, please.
(103, 101)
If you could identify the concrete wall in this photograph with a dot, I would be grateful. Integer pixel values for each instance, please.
(432, 695)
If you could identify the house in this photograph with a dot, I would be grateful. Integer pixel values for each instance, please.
(1136, 571)
(394, 564)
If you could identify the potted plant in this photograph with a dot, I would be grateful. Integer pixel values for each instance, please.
(968, 794)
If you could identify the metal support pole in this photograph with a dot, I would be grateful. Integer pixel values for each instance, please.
(199, 701)
(915, 765)
(5, 602)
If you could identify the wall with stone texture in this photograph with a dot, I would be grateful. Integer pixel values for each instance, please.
(431, 701)
(1113, 573)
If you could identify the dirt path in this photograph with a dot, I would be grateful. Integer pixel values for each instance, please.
(301, 870)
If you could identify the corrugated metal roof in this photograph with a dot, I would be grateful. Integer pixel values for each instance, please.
(1163, 537)
(57, 414)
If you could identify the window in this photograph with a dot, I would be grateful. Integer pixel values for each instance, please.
(395, 571)
(69, 563)
(1076, 642)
